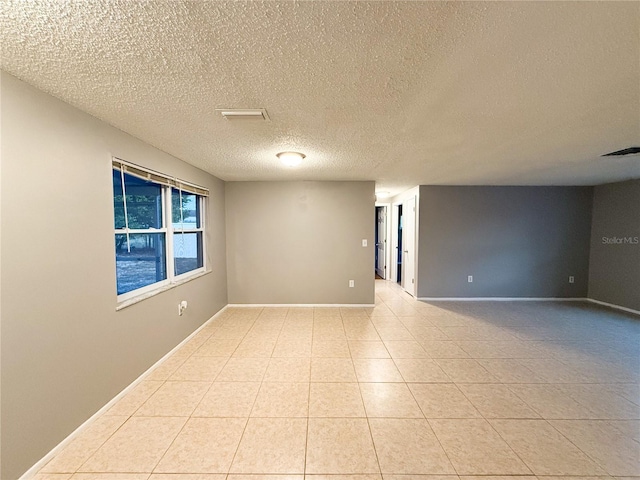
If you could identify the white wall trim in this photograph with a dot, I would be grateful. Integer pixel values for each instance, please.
(55, 450)
(612, 305)
(503, 299)
(301, 305)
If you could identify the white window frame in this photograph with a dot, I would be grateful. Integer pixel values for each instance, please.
(171, 266)
(168, 230)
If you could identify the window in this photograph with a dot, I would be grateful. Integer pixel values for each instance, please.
(159, 229)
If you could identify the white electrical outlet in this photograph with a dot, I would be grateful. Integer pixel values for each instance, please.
(571, 279)
(182, 306)
(470, 279)
(364, 242)
(352, 283)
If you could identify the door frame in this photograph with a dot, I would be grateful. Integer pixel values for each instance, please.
(401, 199)
(387, 250)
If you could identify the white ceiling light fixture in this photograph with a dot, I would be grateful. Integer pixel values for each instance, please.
(291, 159)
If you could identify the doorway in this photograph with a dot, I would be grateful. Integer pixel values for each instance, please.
(381, 242)
(408, 242)
(399, 247)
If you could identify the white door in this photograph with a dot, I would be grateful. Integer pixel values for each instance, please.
(381, 241)
(409, 245)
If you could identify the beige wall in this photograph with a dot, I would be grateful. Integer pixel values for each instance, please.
(614, 268)
(300, 242)
(65, 349)
(515, 241)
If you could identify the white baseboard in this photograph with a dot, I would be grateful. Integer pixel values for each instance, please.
(502, 299)
(55, 450)
(617, 307)
(302, 305)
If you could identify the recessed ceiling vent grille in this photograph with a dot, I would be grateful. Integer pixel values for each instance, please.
(243, 113)
(626, 151)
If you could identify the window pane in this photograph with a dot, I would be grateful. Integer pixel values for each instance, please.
(144, 265)
(190, 210)
(144, 202)
(187, 251)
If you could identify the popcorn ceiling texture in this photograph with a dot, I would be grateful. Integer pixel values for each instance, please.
(403, 93)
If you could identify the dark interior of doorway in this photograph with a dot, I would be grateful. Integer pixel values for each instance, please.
(399, 247)
(378, 240)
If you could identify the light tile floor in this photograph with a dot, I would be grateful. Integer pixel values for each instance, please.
(405, 390)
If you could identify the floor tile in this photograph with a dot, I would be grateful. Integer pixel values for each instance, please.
(272, 445)
(443, 349)
(368, 333)
(496, 401)
(368, 349)
(279, 399)
(376, 370)
(217, 347)
(604, 443)
(290, 347)
(421, 370)
(335, 400)
(442, 400)
(264, 477)
(462, 370)
(288, 370)
(243, 370)
(603, 401)
(165, 369)
(340, 446)
(551, 401)
(405, 349)
(392, 400)
(256, 348)
(544, 449)
(563, 397)
(199, 369)
(629, 428)
(228, 399)
(332, 370)
(408, 446)
(508, 370)
(110, 476)
(474, 447)
(54, 476)
(134, 399)
(330, 348)
(394, 333)
(84, 445)
(205, 445)
(344, 477)
(137, 446)
(422, 477)
(174, 399)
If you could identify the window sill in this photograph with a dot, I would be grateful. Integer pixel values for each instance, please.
(164, 288)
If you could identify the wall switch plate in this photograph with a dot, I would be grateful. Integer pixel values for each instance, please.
(352, 283)
(470, 279)
(364, 242)
(571, 279)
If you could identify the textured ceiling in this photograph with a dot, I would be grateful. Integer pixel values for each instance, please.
(403, 93)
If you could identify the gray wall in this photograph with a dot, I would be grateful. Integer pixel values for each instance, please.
(614, 269)
(300, 242)
(515, 241)
(65, 349)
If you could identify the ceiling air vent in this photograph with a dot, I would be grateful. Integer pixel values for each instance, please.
(626, 151)
(243, 113)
